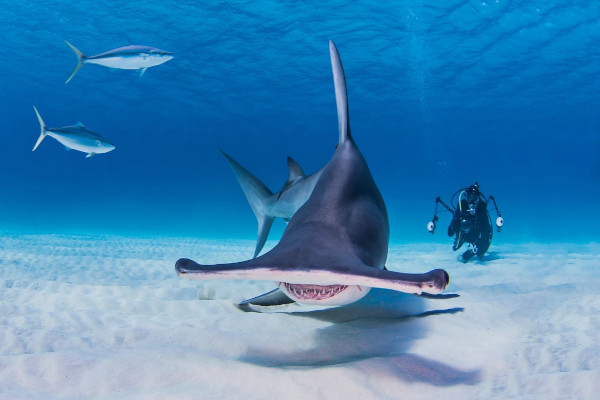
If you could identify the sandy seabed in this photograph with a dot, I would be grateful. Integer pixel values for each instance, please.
(106, 317)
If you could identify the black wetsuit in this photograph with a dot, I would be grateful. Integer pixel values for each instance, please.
(475, 229)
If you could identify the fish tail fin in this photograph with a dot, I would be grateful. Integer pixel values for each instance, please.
(80, 60)
(341, 95)
(42, 128)
(257, 195)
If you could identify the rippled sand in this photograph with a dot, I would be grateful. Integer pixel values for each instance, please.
(107, 317)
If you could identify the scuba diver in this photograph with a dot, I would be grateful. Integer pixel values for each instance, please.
(471, 221)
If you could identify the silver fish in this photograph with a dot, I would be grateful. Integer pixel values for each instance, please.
(128, 57)
(76, 137)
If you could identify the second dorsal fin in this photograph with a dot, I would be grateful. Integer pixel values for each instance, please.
(295, 173)
(295, 170)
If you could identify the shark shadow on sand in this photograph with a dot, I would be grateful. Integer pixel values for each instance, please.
(374, 334)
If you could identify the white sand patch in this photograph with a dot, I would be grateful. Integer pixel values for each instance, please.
(106, 317)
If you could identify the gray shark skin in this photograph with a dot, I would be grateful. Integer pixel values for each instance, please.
(76, 137)
(268, 205)
(334, 249)
(128, 57)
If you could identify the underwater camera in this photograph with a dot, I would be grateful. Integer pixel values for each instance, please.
(431, 226)
(499, 223)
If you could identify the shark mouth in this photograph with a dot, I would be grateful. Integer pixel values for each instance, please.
(311, 292)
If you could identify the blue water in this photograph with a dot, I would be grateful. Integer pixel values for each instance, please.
(442, 94)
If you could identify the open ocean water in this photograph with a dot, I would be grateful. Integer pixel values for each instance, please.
(441, 94)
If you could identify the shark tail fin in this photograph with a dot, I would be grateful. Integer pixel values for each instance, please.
(264, 226)
(42, 128)
(257, 195)
(341, 94)
(80, 60)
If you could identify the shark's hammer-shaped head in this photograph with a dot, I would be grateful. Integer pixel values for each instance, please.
(328, 285)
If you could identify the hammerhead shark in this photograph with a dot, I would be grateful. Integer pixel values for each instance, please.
(334, 249)
(268, 205)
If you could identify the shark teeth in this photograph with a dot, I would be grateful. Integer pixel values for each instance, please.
(313, 292)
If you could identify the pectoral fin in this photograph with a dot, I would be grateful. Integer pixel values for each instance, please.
(273, 298)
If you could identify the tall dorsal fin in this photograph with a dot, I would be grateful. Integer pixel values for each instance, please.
(80, 124)
(295, 170)
(341, 95)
